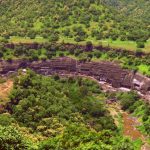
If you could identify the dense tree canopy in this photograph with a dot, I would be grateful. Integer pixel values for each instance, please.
(61, 101)
(61, 114)
(77, 20)
(11, 138)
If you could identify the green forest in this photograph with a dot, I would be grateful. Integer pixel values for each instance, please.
(53, 113)
(58, 113)
(74, 112)
(78, 21)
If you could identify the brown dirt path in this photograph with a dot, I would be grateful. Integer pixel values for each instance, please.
(129, 124)
(5, 89)
(130, 129)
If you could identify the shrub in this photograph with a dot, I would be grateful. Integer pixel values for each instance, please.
(140, 44)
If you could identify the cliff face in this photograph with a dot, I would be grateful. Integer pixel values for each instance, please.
(102, 71)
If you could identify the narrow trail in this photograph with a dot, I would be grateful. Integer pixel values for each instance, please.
(130, 124)
(5, 89)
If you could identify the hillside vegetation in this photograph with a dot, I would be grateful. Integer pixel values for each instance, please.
(52, 113)
(71, 113)
(78, 21)
(135, 9)
(137, 62)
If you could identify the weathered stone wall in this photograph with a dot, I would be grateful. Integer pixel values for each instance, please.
(102, 71)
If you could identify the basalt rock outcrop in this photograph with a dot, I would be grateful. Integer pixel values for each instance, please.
(108, 72)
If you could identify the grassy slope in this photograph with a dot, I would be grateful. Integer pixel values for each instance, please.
(26, 10)
(128, 45)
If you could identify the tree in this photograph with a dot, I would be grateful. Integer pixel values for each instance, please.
(83, 57)
(84, 91)
(123, 144)
(11, 138)
(54, 37)
(127, 99)
(43, 57)
(89, 46)
(66, 32)
(32, 34)
(78, 39)
(9, 58)
(34, 56)
(61, 54)
(6, 119)
(97, 54)
(139, 52)
(140, 44)
(1, 54)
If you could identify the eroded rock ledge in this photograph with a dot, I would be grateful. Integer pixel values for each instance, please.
(102, 71)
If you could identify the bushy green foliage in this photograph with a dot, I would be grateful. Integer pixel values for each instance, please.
(78, 137)
(62, 99)
(142, 109)
(64, 111)
(6, 119)
(12, 139)
(78, 20)
(127, 100)
(131, 102)
(140, 44)
(134, 9)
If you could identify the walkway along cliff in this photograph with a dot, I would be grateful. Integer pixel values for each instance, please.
(102, 71)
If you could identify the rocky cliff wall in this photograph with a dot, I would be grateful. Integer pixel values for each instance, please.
(102, 71)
